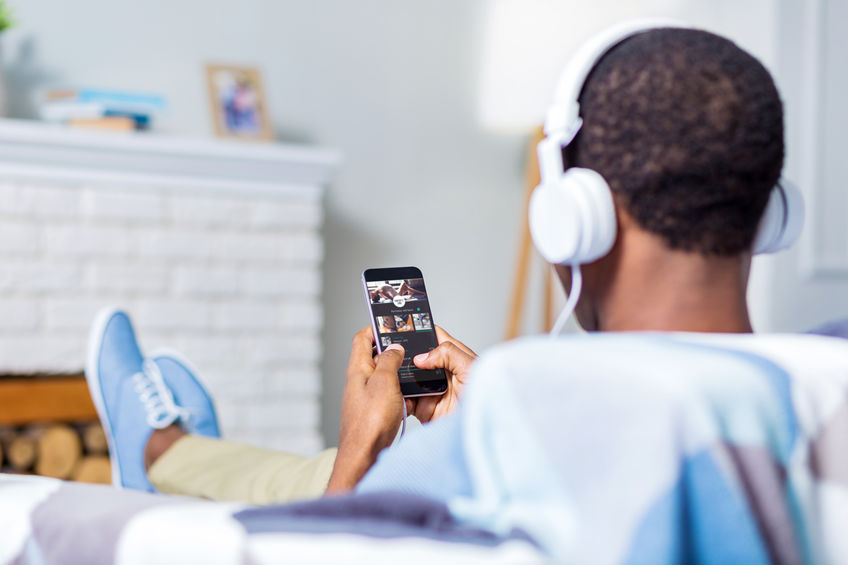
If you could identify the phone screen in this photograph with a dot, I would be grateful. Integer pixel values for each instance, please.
(400, 313)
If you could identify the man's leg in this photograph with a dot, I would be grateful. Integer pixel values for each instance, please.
(181, 463)
(204, 467)
(148, 406)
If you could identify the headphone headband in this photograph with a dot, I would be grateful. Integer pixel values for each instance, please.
(563, 116)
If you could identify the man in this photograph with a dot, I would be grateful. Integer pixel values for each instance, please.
(686, 129)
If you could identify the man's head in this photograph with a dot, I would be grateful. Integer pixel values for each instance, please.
(687, 130)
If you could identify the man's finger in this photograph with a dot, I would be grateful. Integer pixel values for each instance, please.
(442, 336)
(425, 408)
(388, 364)
(360, 352)
(448, 356)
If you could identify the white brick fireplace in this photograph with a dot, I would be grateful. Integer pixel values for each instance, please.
(213, 247)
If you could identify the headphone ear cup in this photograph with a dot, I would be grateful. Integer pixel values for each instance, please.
(554, 222)
(782, 220)
(572, 220)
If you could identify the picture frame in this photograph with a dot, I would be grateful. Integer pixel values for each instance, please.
(237, 100)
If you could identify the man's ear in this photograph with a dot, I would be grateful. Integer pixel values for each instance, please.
(623, 219)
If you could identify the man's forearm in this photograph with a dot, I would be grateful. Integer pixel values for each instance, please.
(349, 468)
(372, 407)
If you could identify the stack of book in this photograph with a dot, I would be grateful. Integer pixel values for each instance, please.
(101, 109)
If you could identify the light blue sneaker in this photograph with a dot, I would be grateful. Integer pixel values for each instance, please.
(132, 396)
(189, 392)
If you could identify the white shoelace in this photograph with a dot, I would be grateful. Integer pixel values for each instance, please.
(158, 401)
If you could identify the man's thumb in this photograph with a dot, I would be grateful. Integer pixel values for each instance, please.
(390, 359)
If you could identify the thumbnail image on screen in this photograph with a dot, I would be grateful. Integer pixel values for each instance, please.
(397, 292)
(391, 324)
(422, 321)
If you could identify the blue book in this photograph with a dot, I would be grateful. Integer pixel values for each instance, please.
(121, 98)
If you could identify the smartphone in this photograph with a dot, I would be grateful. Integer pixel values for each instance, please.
(400, 313)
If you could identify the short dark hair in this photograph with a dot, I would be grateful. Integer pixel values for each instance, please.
(687, 128)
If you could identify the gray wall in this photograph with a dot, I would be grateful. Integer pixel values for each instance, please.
(390, 84)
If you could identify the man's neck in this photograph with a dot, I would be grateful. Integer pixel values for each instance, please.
(656, 289)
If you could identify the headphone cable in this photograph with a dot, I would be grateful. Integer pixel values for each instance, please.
(571, 302)
(403, 422)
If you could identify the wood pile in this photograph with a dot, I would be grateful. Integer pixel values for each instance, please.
(77, 452)
(48, 426)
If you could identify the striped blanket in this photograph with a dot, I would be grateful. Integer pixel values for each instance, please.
(594, 449)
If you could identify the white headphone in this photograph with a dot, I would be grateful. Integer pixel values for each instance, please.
(572, 215)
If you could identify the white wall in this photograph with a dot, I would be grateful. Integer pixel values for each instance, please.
(392, 84)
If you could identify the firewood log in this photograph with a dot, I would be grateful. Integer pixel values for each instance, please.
(93, 469)
(94, 439)
(6, 434)
(59, 451)
(21, 452)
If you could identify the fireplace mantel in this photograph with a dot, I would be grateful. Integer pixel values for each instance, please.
(30, 149)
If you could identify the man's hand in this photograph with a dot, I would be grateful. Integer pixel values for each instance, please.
(371, 410)
(455, 358)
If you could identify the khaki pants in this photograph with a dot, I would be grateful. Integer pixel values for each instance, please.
(221, 470)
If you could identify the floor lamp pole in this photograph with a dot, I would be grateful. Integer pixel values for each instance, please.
(525, 249)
